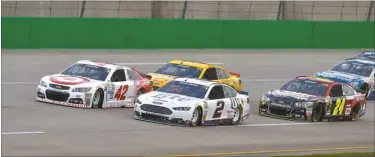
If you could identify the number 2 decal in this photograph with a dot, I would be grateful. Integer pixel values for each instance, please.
(339, 107)
(219, 109)
(120, 94)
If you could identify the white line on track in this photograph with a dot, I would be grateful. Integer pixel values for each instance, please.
(22, 133)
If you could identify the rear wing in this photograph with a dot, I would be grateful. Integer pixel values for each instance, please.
(243, 92)
(149, 77)
(235, 74)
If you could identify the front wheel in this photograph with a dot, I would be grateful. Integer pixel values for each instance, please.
(316, 115)
(97, 100)
(196, 118)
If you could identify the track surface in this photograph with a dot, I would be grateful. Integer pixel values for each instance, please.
(73, 131)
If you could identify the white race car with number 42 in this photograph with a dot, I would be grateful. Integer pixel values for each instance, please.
(88, 84)
(188, 101)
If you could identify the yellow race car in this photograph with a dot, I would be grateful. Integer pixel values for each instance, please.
(192, 69)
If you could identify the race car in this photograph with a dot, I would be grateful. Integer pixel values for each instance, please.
(313, 99)
(193, 69)
(193, 102)
(358, 73)
(89, 84)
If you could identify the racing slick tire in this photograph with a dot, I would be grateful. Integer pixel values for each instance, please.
(354, 113)
(97, 100)
(196, 118)
(140, 92)
(237, 116)
(366, 90)
(260, 112)
(317, 114)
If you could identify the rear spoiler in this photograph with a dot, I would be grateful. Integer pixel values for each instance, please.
(243, 92)
(235, 74)
(146, 76)
(142, 74)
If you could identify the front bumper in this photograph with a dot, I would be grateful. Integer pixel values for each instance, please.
(64, 98)
(285, 111)
(159, 114)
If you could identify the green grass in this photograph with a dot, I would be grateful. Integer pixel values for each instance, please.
(359, 154)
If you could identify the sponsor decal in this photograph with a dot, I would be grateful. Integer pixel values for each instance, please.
(230, 114)
(88, 98)
(293, 94)
(205, 105)
(57, 90)
(68, 80)
(159, 103)
(156, 114)
(162, 96)
(64, 103)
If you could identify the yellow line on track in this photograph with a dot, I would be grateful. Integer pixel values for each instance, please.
(269, 151)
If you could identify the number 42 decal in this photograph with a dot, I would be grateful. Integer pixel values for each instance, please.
(120, 94)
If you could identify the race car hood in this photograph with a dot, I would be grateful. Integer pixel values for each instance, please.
(160, 80)
(168, 99)
(71, 81)
(339, 76)
(289, 97)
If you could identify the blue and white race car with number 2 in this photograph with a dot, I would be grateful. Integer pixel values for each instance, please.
(188, 101)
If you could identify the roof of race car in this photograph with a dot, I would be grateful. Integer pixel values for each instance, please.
(196, 81)
(102, 64)
(369, 62)
(192, 63)
(317, 79)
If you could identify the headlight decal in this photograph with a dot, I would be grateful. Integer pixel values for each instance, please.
(42, 83)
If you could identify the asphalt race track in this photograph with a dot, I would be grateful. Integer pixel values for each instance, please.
(38, 129)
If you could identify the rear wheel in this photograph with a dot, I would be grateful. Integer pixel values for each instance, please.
(97, 100)
(237, 116)
(354, 113)
(365, 88)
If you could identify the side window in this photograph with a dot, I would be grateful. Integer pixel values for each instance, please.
(217, 92)
(229, 92)
(118, 76)
(336, 91)
(210, 74)
(221, 74)
(347, 90)
(132, 75)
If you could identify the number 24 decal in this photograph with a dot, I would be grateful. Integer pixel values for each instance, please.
(339, 107)
(120, 94)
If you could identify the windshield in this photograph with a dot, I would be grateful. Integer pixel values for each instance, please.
(180, 70)
(353, 67)
(306, 87)
(184, 88)
(89, 71)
